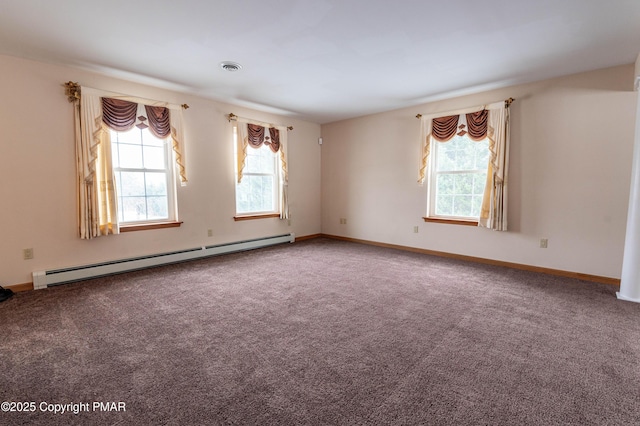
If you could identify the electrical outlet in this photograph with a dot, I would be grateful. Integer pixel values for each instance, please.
(544, 243)
(416, 229)
(27, 253)
(343, 221)
(209, 232)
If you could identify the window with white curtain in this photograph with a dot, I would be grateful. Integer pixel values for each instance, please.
(127, 149)
(145, 184)
(465, 161)
(258, 190)
(457, 178)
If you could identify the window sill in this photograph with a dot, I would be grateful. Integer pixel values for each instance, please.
(148, 226)
(256, 216)
(451, 221)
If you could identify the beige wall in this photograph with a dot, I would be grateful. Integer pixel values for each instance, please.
(37, 175)
(571, 149)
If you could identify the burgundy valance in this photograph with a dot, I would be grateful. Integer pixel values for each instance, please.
(444, 128)
(256, 137)
(120, 115)
(477, 124)
(159, 121)
(275, 139)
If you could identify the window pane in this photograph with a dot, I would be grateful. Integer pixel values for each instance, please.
(445, 184)
(131, 184)
(479, 182)
(482, 154)
(132, 137)
(459, 194)
(261, 160)
(149, 139)
(154, 157)
(130, 156)
(459, 176)
(156, 184)
(157, 208)
(466, 157)
(461, 153)
(464, 184)
(143, 195)
(133, 208)
(476, 205)
(255, 194)
(444, 205)
(446, 156)
(462, 205)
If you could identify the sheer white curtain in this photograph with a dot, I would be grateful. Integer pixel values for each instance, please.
(97, 213)
(177, 142)
(242, 141)
(493, 214)
(425, 146)
(284, 175)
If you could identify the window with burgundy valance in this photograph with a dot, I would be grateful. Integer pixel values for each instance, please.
(126, 148)
(261, 169)
(464, 162)
(140, 160)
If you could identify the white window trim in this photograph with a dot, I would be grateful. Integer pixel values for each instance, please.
(431, 190)
(277, 176)
(169, 160)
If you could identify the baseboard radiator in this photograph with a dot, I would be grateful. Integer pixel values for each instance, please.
(44, 279)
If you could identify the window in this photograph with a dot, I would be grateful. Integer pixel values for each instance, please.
(464, 160)
(457, 179)
(258, 191)
(144, 180)
(124, 176)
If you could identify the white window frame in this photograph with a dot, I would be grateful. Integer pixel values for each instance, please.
(245, 174)
(432, 180)
(168, 170)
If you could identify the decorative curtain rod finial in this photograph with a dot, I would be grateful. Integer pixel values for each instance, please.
(232, 116)
(419, 116)
(72, 90)
(184, 106)
(508, 102)
(290, 128)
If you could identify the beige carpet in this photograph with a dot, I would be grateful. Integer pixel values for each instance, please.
(324, 332)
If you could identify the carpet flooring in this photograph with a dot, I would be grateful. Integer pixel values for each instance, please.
(322, 332)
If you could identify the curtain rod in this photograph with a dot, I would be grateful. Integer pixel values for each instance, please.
(232, 117)
(72, 90)
(507, 104)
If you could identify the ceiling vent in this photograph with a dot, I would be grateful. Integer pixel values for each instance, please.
(230, 66)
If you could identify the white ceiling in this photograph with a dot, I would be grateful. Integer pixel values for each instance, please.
(325, 60)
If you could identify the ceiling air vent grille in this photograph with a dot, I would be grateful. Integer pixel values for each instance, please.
(230, 66)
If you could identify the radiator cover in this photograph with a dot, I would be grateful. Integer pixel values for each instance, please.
(44, 279)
